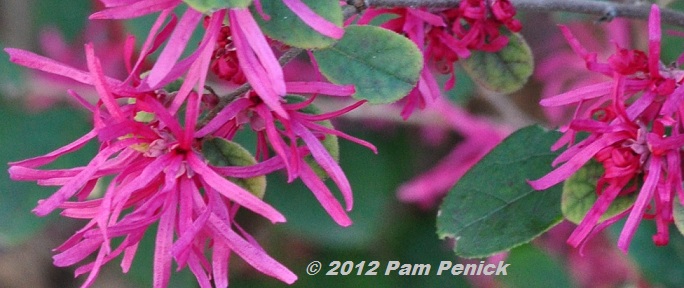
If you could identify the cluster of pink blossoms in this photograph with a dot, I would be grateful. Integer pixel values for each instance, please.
(447, 35)
(150, 145)
(635, 131)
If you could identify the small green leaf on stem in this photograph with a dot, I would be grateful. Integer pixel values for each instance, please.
(287, 27)
(221, 152)
(383, 66)
(208, 6)
(579, 195)
(505, 71)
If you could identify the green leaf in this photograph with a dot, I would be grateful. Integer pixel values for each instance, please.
(208, 6)
(505, 71)
(492, 208)
(287, 27)
(579, 195)
(678, 213)
(221, 152)
(532, 267)
(382, 65)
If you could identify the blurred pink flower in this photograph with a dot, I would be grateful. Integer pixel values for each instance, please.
(597, 264)
(479, 137)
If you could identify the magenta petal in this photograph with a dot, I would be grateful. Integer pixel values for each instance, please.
(574, 43)
(257, 61)
(428, 17)
(197, 268)
(428, 188)
(325, 160)
(326, 130)
(644, 198)
(148, 46)
(674, 101)
(315, 21)
(575, 163)
(579, 94)
(594, 214)
(135, 9)
(81, 100)
(256, 257)
(162, 247)
(320, 88)
(76, 253)
(455, 45)
(262, 168)
(114, 3)
(220, 255)
(277, 143)
(324, 196)
(20, 173)
(35, 61)
(232, 191)
(174, 48)
(197, 74)
(102, 87)
(654, 35)
(427, 85)
(227, 114)
(257, 42)
(48, 205)
(129, 255)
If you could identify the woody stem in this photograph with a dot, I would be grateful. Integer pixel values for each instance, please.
(605, 10)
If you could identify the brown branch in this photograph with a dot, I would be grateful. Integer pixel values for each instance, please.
(605, 10)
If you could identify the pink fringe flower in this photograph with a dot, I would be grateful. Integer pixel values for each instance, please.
(155, 162)
(295, 137)
(634, 125)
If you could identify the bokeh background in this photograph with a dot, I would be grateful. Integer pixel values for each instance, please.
(38, 118)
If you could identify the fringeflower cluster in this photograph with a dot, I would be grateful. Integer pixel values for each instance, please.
(151, 161)
(634, 126)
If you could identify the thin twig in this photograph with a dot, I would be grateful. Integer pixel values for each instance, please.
(605, 10)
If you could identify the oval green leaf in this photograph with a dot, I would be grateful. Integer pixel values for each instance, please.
(287, 27)
(678, 214)
(221, 152)
(383, 66)
(492, 208)
(505, 71)
(208, 6)
(579, 195)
